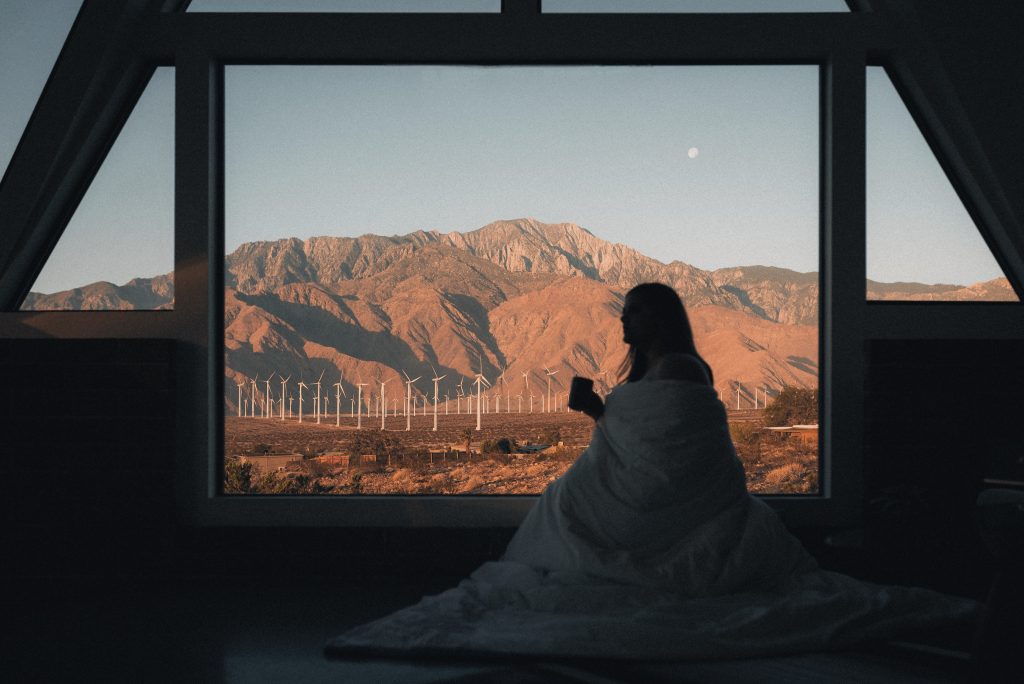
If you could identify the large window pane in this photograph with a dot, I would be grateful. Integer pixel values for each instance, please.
(921, 242)
(388, 224)
(117, 251)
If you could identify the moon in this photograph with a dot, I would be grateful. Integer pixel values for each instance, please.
(692, 152)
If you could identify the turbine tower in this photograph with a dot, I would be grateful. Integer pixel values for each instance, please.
(383, 402)
(437, 379)
(459, 393)
(252, 397)
(240, 386)
(302, 386)
(284, 392)
(316, 405)
(549, 374)
(480, 380)
(267, 411)
(359, 405)
(339, 392)
(409, 399)
(526, 380)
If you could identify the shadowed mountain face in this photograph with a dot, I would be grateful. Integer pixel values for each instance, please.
(518, 296)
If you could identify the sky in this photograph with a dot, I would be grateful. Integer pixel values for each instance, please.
(715, 166)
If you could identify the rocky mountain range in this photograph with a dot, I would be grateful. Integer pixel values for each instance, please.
(516, 296)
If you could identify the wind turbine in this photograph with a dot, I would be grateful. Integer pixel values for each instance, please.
(252, 397)
(409, 399)
(339, 391)
(520, 397)
(317, 404)
(502, 386)
(359, 405)
(302, 386)
(480, 380)
(383, 403)
(437, 379)
(269, 405)
(284, 384)
(526, 380)
(459, 393)
(240, 386)
(549, 374)
(738, 396)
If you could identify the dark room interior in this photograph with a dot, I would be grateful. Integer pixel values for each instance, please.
(119, 564)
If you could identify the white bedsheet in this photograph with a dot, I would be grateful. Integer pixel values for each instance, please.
(649, 547)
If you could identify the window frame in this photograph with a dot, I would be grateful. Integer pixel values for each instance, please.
(200, 45)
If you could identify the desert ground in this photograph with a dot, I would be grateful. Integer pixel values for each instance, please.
(404, 463)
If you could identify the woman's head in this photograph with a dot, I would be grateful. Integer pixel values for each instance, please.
(654, 322)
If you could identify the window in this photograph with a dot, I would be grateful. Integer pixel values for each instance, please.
(921, 242)
(118, 250)
(208, 48)
(388, 225)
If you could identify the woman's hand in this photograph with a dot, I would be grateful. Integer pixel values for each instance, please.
(591, 405)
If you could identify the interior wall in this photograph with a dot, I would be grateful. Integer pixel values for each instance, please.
(88, 451)
(88, 462)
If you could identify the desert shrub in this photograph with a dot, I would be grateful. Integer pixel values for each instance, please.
(289, 484)
(793, 406)
(237, 476)
(262, 449)
(503, 445)
(500, 457)
(745, 434)
(472, 483)
(552, 435)
(315, 468)
(385, 446)
(443, 483)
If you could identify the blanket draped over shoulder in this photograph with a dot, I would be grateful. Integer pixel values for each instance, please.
(650, 547)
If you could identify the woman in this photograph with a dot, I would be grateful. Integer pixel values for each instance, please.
(659, 498)
(661, 347)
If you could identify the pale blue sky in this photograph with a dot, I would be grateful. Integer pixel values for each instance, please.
(388, 150)
(347, 150)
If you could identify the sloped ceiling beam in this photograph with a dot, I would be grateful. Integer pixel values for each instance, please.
(91, 91)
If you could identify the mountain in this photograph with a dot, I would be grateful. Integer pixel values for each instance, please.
(137, 293)
(996, 290)
(518, 296)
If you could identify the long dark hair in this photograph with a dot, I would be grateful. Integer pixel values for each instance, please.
(675, 334)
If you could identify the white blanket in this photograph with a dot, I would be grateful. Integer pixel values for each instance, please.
(649, 547)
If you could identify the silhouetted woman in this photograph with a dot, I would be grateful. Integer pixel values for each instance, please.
(659, 498)
(661, 347)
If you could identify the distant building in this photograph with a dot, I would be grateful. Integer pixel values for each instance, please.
(807, 434)
(271, 463)
(335, 458)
